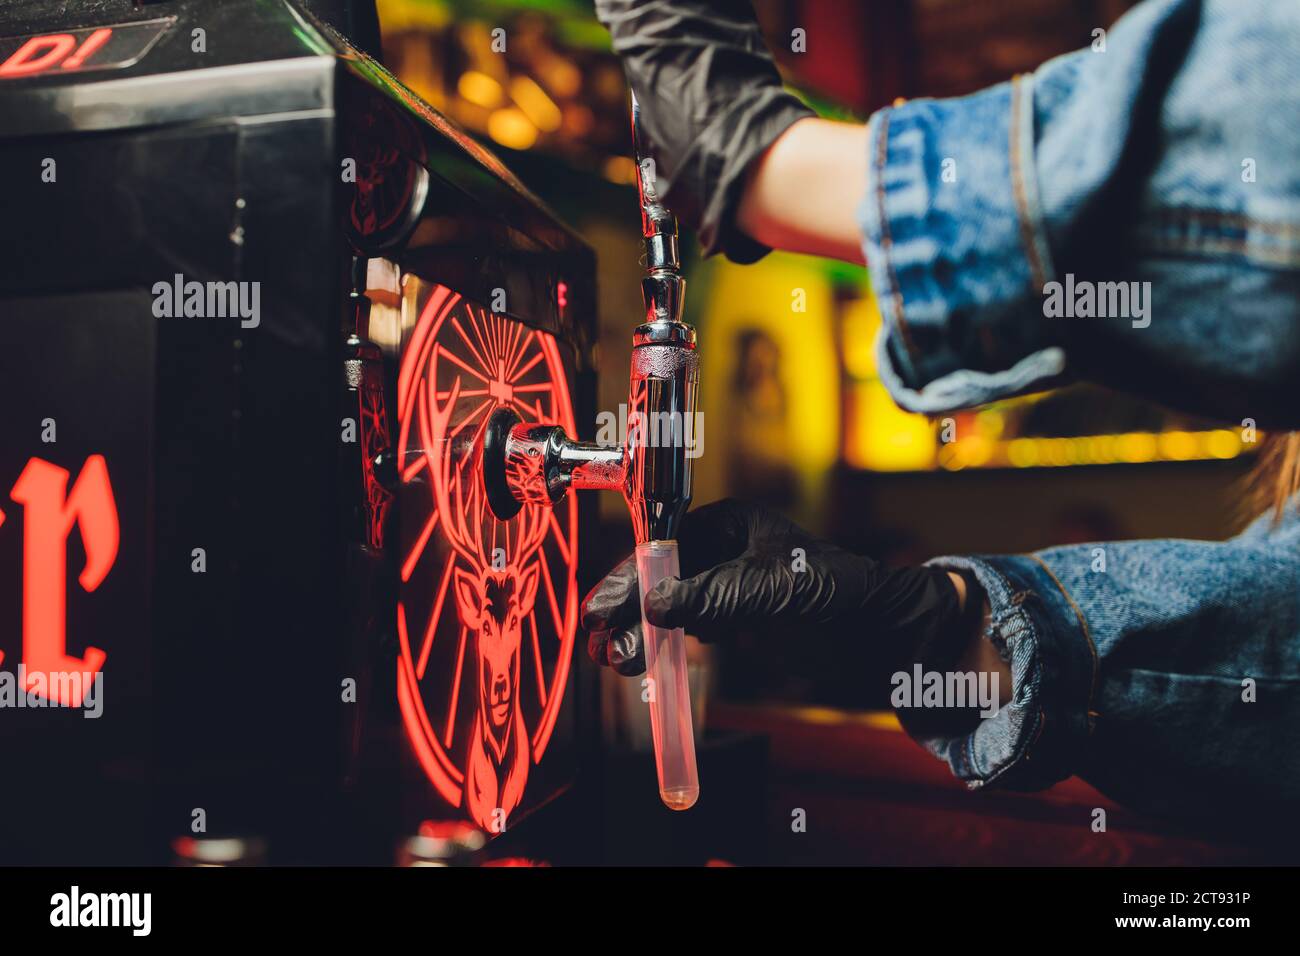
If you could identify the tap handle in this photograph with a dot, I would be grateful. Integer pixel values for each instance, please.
(664, 287)
(658, 224)
(638, 143)
(645, 180)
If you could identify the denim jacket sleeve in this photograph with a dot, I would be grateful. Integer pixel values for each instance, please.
(1130, 664)
(1154, 172)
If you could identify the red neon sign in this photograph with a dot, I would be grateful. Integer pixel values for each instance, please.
(50, 512)
(512, 613)
(91, 48)
(37, 54)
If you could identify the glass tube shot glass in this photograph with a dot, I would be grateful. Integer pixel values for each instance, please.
(670, 694)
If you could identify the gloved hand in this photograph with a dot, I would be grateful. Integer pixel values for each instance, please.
(747, 568)
(711, 103)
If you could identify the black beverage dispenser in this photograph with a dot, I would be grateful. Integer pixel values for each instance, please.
(259, 302)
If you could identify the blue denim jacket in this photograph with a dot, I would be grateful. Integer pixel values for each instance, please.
(1170, 156)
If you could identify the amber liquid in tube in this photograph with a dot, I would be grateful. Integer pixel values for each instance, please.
(670, 698)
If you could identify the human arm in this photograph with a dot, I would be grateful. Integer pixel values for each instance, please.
(748, 569)
(804, 192)
(1152, 176)
(1165, 672)
(1102, 218)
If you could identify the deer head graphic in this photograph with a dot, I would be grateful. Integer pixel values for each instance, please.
(495, 582)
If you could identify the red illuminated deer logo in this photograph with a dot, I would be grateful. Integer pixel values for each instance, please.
(493, 597)
(480, 701)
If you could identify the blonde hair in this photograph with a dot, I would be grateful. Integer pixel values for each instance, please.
(1276, 476)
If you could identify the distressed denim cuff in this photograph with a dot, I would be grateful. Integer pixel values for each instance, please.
(952, 232)
(1039, 736)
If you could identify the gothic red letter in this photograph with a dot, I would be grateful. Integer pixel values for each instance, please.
(48, 518)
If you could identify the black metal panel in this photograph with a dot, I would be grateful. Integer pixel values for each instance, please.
(83, 362)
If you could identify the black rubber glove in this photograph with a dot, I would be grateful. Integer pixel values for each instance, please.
(711, 103)
(746, 568)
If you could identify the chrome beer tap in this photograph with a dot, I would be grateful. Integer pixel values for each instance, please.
(531, 463)
(539, 463)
